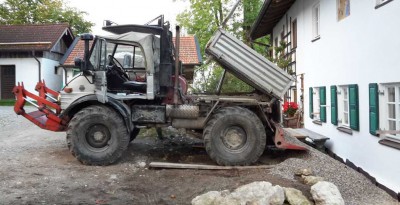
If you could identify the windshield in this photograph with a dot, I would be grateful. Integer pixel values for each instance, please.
(128, 56)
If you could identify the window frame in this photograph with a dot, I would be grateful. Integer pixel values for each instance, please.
(384, 109)
(294, 33)
(316, 104)
(343, 103)
(316, 21)
(346, 108)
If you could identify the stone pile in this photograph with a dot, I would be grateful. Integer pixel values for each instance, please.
(264, 193)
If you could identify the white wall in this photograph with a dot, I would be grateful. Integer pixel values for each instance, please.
(52, 78)
(26, 70)
(360, 49)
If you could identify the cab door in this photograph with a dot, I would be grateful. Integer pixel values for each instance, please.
(99, 62)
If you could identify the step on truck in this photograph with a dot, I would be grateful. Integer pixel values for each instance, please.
(132, 80)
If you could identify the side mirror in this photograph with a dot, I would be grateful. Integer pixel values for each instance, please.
(78, 63)
(84, 64)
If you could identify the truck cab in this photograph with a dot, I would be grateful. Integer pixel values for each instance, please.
(136, 62)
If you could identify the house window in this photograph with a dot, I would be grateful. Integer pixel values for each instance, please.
(316, 21)
(317, 103)
(384, 113)
(343, 9)
(294, 33)
(391, 114)
(344, 107)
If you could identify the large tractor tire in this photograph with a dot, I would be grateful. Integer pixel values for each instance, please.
(234, 136)
(97, 135)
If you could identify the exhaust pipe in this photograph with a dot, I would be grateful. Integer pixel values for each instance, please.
(176, 83)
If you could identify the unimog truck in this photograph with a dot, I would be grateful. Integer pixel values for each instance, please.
(132, 80)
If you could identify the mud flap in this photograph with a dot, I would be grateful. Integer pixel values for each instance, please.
(46, 117)
(284, 141)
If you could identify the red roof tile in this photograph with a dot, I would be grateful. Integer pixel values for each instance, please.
(77, 52)
(29, 37)
(189, 50)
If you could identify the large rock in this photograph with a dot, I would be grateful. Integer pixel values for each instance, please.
(259, 193)
(296, 197)
(326, 193)
(209, 198)
(311, 180)
(256, 193)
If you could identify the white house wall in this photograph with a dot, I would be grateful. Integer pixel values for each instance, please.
(26, 70)
(54, 80)
(360, 49)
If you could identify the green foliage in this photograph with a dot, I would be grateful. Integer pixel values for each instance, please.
(43, 11)
(202, 19)
(280, 59)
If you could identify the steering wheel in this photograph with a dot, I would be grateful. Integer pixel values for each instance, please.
(114, 63)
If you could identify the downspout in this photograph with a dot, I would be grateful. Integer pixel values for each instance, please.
(39, 66)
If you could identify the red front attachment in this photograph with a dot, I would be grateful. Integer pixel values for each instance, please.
(282, 141)
(47, 115)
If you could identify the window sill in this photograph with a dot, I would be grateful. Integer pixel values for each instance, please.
(382, 4)
(390, 142)
(346, 130)
(316, 38)
(317, 122)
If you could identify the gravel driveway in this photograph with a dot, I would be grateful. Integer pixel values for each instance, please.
(37, 168)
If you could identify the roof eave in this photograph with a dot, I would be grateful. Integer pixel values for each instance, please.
(260, 16)
(270, 14)
(69, 51)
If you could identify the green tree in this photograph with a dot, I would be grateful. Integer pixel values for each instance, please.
(43, 11)
(202, 19)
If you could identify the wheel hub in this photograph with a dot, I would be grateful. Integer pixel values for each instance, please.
(98, 136)
(234, 138)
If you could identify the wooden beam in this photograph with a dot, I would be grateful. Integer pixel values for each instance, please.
(204, 166)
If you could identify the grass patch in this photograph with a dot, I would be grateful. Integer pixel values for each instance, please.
(10, 102)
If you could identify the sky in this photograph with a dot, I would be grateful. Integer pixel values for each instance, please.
(128, 11)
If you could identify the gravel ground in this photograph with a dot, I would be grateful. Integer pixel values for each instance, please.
(37, 168)
(354, 187)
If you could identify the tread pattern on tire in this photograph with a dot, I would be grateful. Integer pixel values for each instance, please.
(231, 112)
(119, 131)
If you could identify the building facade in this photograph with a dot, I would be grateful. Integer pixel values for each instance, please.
(29, 53)
(346, 61)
